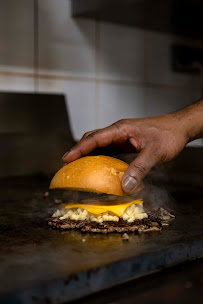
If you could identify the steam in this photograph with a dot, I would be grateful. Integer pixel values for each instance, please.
(154, 197)
(156, 193)
(158, 197)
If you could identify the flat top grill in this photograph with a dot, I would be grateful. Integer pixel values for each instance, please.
(37, 262)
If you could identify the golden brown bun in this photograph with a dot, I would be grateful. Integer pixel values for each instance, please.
(100, 174)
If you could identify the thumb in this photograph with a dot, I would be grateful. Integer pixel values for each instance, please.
(138, 169)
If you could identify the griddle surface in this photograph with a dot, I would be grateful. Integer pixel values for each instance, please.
(37, 262)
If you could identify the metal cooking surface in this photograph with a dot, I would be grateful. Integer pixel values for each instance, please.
(32, 253)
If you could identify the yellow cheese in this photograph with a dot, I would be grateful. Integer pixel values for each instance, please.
(94, 209)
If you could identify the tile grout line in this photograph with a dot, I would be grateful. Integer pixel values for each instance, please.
(97, 69)
(97, 80)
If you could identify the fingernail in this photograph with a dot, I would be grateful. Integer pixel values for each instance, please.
(130, 183)
(65, 155)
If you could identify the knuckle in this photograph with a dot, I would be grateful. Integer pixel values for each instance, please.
(85, 134)
(139, 168)
(91, 134)
(121, 126)
(82, 153)
(121, 122)
(88, 134)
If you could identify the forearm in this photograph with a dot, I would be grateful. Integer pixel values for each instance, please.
(157, 139)
(191, 119)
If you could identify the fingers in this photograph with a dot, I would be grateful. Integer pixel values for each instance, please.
(138, 169)
(89, 142)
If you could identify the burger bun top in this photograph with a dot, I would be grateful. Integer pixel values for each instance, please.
(99, 174)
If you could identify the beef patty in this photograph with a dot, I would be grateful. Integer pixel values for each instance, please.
(106, 227)
(157, 218)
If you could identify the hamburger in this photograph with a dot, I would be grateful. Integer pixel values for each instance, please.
(116, 212)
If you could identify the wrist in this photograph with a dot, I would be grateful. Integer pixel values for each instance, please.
(191, 121)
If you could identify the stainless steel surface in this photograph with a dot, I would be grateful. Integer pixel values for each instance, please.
(39, 264)
(34, 133)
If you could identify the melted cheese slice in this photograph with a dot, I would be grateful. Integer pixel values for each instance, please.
(94, 209)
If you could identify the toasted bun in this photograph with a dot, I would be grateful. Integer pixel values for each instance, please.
(100, 174)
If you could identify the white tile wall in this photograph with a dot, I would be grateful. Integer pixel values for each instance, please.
(80, 99)
(121, 54)
(81, 50)
(162, 100)
(117, 102)
(158, 60)
(16, 36)
(16, 83)
(66, 45)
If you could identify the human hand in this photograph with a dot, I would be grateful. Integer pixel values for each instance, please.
(157, 139)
